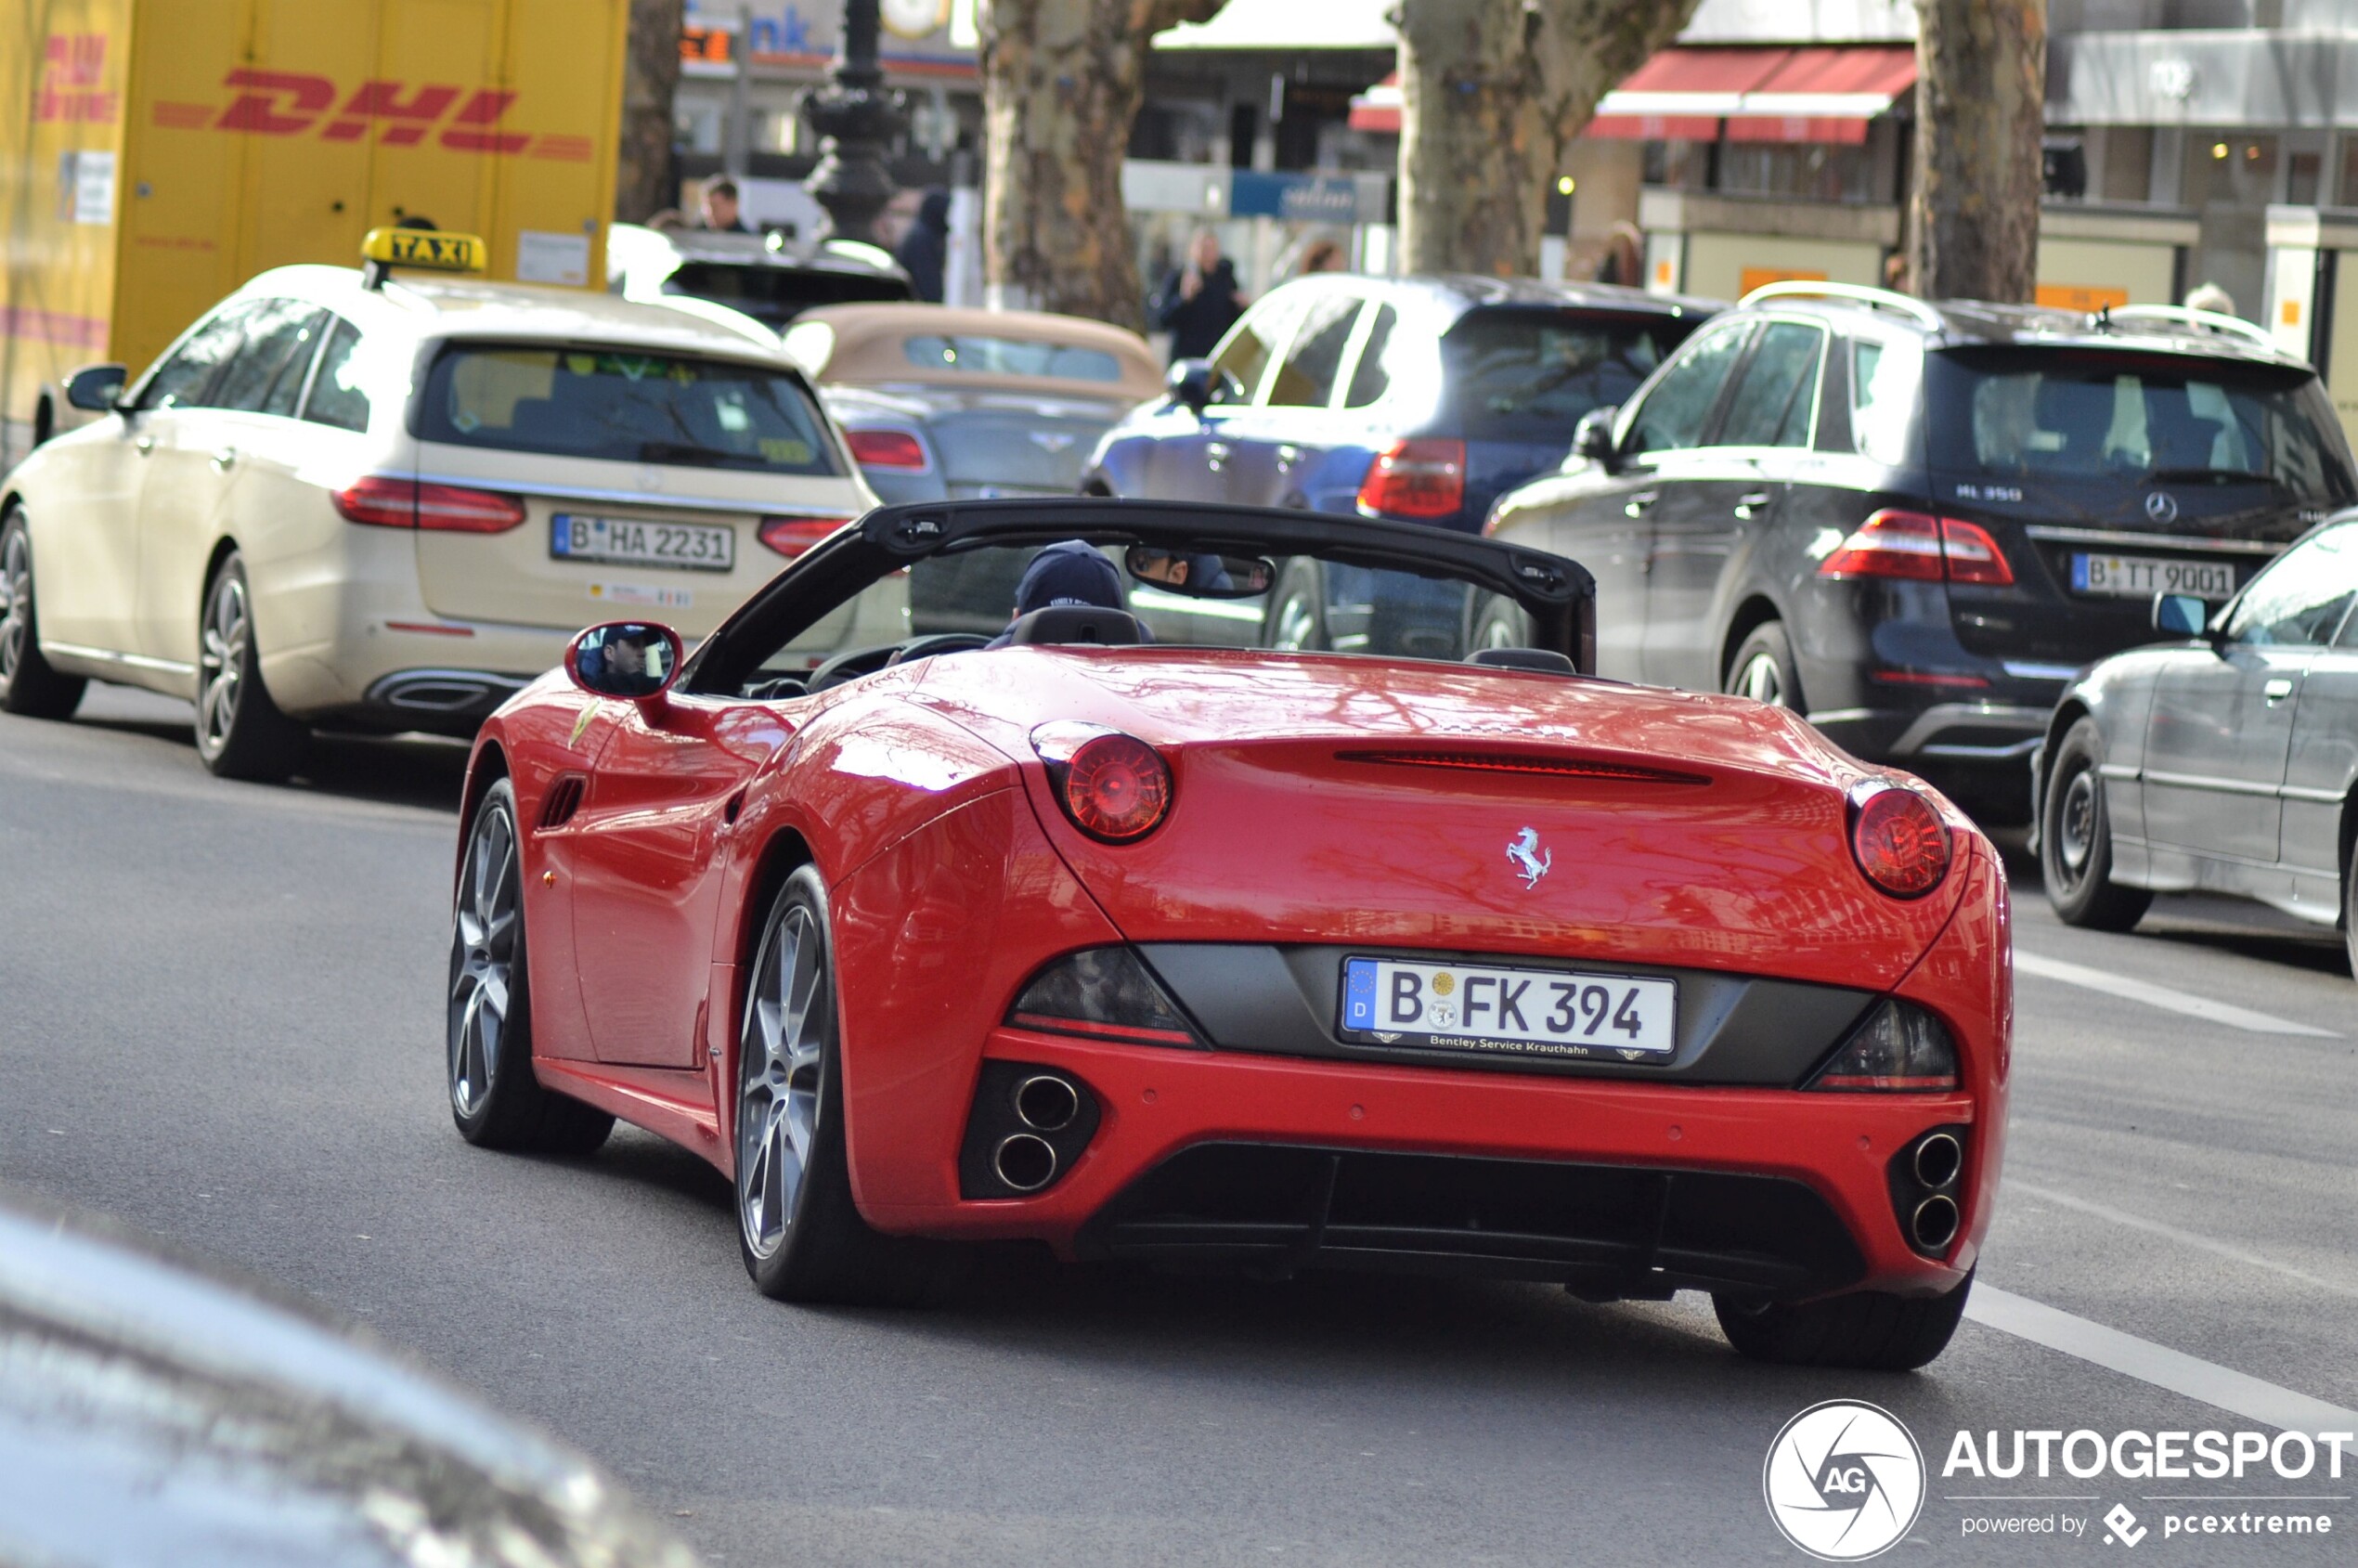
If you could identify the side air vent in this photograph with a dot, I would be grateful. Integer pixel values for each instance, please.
(562, 802)
(1526, 762)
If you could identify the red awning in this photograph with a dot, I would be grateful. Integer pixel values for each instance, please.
(1777, 95)
(1378, 109)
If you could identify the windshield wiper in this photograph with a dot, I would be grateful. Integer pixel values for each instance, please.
(701, 456)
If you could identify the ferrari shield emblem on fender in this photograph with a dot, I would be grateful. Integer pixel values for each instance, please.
(589, 711)
(1530, 862)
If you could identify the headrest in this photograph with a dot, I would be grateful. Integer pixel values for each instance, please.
(1546, 660)
(1077, 623)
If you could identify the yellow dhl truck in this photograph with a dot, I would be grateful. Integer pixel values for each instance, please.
(155, 154)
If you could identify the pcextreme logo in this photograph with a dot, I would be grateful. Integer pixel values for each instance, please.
(1845, 1480)
(288, 103)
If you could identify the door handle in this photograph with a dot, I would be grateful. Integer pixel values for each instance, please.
(1639, 502)
(1750, 503)
(145, 444)
(223, 459)
(2277, 690)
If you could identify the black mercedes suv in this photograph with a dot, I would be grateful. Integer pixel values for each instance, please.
(1916, 521)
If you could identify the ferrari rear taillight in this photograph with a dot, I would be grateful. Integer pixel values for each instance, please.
(1104, 993)
(791, 535)
(1421, 478)
(886, 448)
(1915, 546)
(1899, 839)
(383, 502)
(1900, 1049)
(1114, 787)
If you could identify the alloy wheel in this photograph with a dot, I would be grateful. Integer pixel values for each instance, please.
(482, 959)
(1761, 680)
(786, 1021)
(1297, 623)
(16, 600)
(221, 660)
(2076, 826)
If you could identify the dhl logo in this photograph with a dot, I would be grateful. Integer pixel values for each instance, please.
(287, 103)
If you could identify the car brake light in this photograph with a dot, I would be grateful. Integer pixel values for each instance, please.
(1105, 992)
(886, 448)
(1114, 787)
(1419, 478)
(791, 535)
(1900, 1049)
(385, 503)
(1920, 548)
(1899, 839)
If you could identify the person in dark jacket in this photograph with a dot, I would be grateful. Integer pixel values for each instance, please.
(1199, 302)
(1073, 573)
(925, 250)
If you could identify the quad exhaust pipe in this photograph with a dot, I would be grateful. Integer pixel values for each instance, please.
(1934, 1225)
(1046, 1103)
(1025, 1160)
(1938, 1159)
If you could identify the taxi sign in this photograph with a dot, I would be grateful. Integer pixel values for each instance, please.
(432, 250)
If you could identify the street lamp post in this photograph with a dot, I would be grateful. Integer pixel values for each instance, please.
(855, 118)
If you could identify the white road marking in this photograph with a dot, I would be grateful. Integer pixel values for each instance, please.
(2186, 1237)
(2162, 997)
(2236, 1393)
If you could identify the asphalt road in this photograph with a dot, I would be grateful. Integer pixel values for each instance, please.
(219, 1019)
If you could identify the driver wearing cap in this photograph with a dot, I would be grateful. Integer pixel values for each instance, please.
(1073, 573)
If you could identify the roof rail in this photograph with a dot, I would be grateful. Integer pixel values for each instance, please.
(1880, 299)
(2211, 320)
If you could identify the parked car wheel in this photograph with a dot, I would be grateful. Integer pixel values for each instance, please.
(1297, 617)
(801, 1233)
(1496, 623)
(1763, 669)
(2075, 840)
(1866, 1330)
(495, 1096)
(28, 684)
(241, 732)
(2349, 903)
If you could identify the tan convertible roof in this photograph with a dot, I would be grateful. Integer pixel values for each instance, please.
(868, 337)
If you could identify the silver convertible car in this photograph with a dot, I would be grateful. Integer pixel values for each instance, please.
(2222, 762)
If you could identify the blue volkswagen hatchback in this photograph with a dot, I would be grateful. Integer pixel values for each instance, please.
(1420, 398)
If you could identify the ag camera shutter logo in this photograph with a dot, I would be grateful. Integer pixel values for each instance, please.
(1844, 1481)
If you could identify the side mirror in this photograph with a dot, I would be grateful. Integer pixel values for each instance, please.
(1190, 383)
(1592, 437)
(97, 388)
(2180, 615)
(636, 661)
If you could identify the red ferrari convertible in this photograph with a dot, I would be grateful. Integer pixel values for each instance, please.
(1131, 934)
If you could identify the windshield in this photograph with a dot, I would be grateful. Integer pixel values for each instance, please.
(969, 354)
(775, 295)
(1510, 370)
(2135, 417)
(625, 407)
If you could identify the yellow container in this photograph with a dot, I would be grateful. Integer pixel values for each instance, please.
(154, 154)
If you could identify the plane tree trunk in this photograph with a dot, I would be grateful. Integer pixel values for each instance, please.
(1981, 83)
(1061, 82)
(1492, 94)
(644, 183)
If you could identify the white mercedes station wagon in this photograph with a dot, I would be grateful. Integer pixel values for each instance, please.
(349, 500)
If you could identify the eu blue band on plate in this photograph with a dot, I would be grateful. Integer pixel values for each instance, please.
(1359, 993)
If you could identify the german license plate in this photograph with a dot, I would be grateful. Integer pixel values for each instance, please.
(624, 542)
(2142, 577)
(1515, 1012)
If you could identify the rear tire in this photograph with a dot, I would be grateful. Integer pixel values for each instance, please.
(28, 685)
(241, 732)
(798, 1230)
(1763, 669)
(2075, 840)
(2349, 904)
(1296, 615)
(496, 1097)
(1866, 1330)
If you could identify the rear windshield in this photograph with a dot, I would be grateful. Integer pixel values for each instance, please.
(2133, 418)
(624, 408)
(777, 294)
(938, 353)
(1521, 371)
